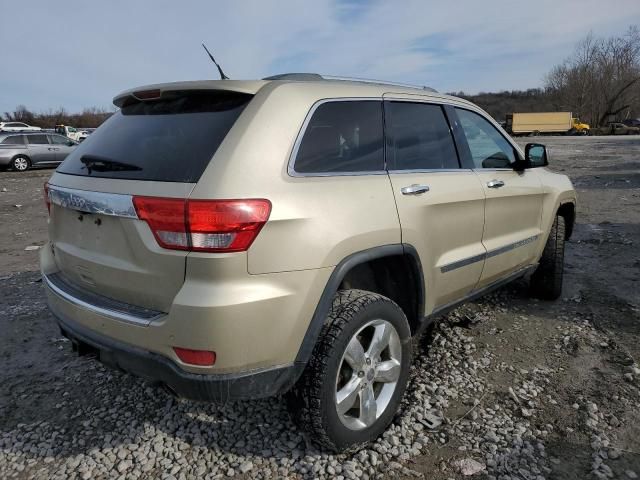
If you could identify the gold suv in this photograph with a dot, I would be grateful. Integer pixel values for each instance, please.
(241, 239)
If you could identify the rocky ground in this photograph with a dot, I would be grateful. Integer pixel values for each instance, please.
(503, 388)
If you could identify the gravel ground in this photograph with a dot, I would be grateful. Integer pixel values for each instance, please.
(504, 388)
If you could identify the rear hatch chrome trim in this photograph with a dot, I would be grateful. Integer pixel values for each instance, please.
(99, 304)
(113, 204)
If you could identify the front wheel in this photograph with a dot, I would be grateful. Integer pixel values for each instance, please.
(353, 384)
(546, 281)
(20, 163)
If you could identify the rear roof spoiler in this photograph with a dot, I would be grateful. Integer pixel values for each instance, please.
(250, 87)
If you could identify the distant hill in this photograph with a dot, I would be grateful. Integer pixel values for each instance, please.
(501, 103)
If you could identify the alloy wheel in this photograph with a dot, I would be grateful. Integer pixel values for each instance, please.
(21, 164)
(368, 374)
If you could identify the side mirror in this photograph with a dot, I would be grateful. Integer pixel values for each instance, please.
(535, 155)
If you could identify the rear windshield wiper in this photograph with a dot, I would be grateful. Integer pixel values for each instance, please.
(103, 164)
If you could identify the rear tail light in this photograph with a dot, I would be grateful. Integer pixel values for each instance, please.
(203, 225)
(195, 357)
(47, 200)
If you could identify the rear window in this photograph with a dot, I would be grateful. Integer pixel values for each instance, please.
(342, 136)
(169, 140)
(13, 140)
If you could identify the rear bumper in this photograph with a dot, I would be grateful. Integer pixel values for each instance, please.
(162, 371)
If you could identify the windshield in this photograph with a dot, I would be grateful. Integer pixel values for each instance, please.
(171, 139)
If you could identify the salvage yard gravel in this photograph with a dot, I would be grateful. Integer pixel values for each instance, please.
(129, 430)
(143, 432)
(505, 388)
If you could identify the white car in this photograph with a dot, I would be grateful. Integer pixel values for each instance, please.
(17, 127)
(83, 134)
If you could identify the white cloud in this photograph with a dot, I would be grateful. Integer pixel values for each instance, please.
(84, 53)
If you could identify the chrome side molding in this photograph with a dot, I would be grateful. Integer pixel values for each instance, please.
(489, 254)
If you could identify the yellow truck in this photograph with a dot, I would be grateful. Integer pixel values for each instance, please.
(545, 123)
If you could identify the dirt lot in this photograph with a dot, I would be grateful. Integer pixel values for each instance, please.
(519, 389)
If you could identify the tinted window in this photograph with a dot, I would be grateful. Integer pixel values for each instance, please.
(489, 149)
(13, 140)
(14, 124)
(59, 140)
(37, 140)
(420, 137)
(343, 136)
(171, 139)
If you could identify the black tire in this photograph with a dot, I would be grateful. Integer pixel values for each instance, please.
(20, 163)
(546, 281)
(312, 402)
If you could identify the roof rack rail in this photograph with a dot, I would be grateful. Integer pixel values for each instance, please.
(21, 131)
(316, 76)
(378, 82)
(295, 76)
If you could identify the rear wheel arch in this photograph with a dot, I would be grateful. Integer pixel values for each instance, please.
(393, 271)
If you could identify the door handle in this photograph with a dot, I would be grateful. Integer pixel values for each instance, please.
(50, 149)
(414, 189)
(495, 184)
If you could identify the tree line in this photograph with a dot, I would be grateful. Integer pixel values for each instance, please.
(498, 105)
(599, 83)
(88, 118)
(601, 79)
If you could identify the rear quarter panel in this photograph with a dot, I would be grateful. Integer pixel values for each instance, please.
(315, 222)
(7, 153)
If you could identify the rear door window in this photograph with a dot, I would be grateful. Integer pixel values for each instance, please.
(37, 140)
(420, 137)
(171, 139)
(342, 137)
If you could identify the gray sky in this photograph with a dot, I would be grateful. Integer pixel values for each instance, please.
(79, 54)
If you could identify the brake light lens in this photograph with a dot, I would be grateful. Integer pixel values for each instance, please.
(203, 225)
(195, 357)
(147, 94)
(166, 217)
(47, 200)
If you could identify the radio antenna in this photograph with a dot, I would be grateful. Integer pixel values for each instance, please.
(222, 75)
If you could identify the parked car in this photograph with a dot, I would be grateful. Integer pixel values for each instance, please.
(84, 133)
(617, 128)
(242, 239)
(69, 132)
(17, 127)
(21, 151)
(632, 122)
